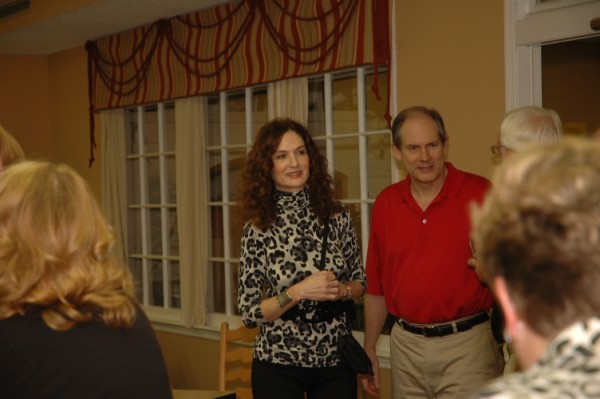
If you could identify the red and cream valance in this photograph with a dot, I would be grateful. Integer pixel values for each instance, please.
(238, 44)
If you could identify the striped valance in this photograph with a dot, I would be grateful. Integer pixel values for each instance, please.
(242, 43)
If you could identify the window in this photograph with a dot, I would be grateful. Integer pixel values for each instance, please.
(152, 212)
(347, 123)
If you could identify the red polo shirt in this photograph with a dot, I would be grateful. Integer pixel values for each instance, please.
(418, 260)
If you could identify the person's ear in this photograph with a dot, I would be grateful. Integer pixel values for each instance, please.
(511, 319)
(396, 152)
(446, 145)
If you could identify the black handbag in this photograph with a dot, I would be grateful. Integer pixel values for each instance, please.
(350, 351)
(354, 355)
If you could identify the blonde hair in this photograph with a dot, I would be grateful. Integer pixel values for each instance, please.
(10, 149)
(55, 250)
(539, 229)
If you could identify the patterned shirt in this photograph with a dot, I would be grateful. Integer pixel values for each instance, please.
(283, 255)
(569, 368)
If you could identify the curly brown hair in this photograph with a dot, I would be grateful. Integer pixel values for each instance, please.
(257, 196)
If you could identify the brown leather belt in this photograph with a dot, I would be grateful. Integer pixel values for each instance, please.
(442, 329)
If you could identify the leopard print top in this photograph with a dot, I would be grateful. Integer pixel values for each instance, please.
(569, 368)
(283, 255)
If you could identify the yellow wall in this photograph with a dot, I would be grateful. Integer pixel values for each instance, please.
(70, 117)
(449, 56)
(25, 102)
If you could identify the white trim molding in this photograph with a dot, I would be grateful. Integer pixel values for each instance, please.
(529, 25)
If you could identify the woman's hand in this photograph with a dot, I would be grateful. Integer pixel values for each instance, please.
(321, 286)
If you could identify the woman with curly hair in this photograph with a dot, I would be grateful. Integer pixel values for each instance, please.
(69, 323)
(288, 200)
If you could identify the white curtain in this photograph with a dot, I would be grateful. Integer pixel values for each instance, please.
(192, 212)
(289, 99)
(114, 191)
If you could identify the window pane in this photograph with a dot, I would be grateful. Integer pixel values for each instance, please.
(153, 175)
(134, 231)
(155, 231)
(215, 173)
(237, 225)
(216, 223)
(236, 118)
(131, 138)
(214, 121)
(260, 108)
(173, 233)
(150, 144)
(237, 162)
(175, 284)
(376, 109)
(169, 128)
(156, 282)
(133, 181)
(135, 265)
(171, 177)
(347, 167)
(378, 163)
(218, 285)
(316, 107)
(345, 112)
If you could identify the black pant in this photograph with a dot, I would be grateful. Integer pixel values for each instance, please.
(274, 381)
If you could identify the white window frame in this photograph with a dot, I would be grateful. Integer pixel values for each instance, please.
(165, 313)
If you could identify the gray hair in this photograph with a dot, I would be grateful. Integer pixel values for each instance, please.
(527, 125)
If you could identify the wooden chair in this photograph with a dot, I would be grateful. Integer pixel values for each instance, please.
(236, 349)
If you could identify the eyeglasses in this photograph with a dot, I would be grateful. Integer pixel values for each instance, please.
(499, 151)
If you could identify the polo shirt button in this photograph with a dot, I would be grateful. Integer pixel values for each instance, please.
(424, 221)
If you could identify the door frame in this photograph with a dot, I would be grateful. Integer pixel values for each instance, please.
(528, 26)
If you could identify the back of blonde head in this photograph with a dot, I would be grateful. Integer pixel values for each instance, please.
(10, 149)
(55, 250)
(529, 125)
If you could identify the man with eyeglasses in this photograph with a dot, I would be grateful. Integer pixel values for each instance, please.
(524, 126)
(520, 127)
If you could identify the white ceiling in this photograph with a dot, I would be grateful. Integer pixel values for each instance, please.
(74, 28)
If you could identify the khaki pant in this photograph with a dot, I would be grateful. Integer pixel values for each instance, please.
(453, 366)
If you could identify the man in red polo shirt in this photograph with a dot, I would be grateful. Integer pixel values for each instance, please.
(442, 345)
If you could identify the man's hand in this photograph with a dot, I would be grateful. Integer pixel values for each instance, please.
(472, 262)
(371, 383)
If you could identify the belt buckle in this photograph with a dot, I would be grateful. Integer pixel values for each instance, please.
(426, 331)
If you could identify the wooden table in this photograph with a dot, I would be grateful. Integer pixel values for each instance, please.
(202, 394)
